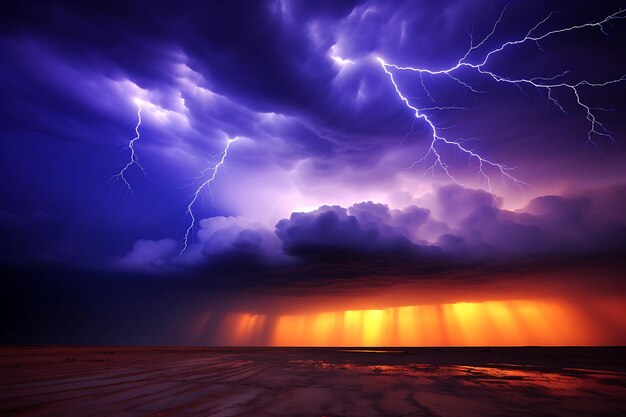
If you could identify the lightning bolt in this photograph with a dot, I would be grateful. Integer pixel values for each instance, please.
(206, 184)
(546, 84)
(133, 155)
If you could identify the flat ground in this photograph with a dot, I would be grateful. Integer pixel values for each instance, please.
(116, 381)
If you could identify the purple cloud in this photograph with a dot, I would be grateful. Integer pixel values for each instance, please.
(468, 228)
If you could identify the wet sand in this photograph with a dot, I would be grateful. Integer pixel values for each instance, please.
(114, 381)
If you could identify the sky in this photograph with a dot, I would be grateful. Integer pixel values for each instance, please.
(258, 172)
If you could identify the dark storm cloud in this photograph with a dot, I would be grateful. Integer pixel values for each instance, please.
(70, 65)
(331, 232)
(370, 243)
(469, 226)
(267, 56)
(311, 126)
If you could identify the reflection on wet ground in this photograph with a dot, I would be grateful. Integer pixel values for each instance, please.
(312, 382)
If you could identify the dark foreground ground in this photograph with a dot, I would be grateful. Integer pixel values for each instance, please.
(112, 381)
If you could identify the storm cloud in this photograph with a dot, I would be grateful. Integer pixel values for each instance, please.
(469, 228)
(334, 183)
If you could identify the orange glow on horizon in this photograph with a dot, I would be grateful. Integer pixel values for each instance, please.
(490, 323)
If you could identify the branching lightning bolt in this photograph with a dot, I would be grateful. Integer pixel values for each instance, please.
(133, 155)
(206, 184)
(546, 84)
